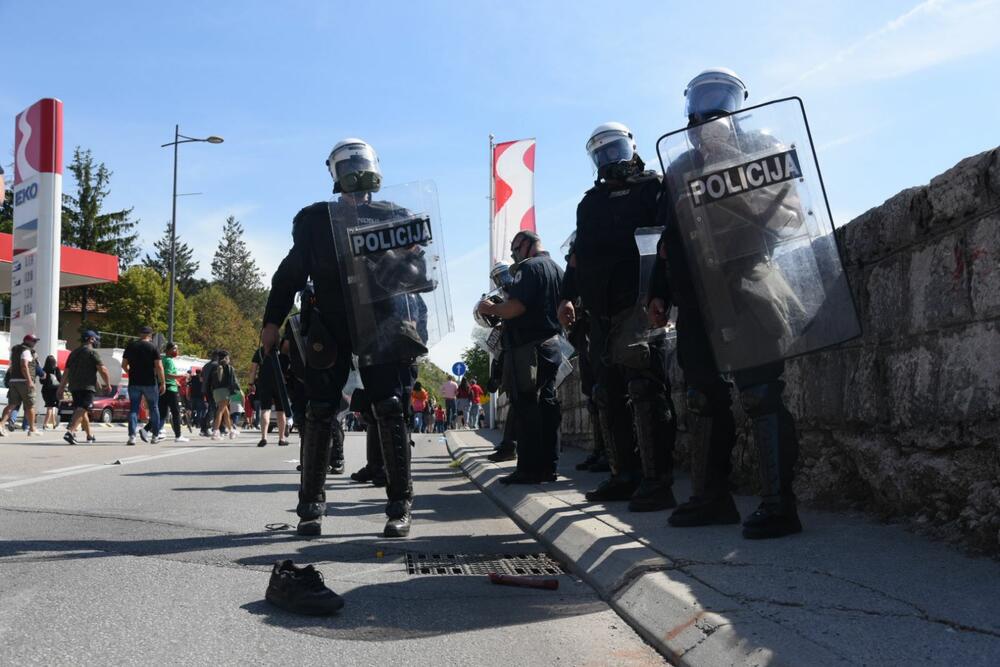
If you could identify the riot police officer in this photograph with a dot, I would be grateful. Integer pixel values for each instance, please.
(532, 356)
(714, 132)
(631, 391)
(369, 303)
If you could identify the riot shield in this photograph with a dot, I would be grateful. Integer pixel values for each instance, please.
(390, 249)
(751, 210)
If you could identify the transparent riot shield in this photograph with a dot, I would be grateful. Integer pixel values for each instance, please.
(390, 249)
(751, 210)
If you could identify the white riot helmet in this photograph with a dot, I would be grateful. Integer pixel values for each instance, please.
(354, 167)
(612, 147)
(715, 92)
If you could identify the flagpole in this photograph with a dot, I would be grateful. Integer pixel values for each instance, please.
(489, 286)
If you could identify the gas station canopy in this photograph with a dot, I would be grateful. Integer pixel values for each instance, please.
(77, 267)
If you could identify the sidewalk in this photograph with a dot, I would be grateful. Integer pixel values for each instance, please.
(845, 591)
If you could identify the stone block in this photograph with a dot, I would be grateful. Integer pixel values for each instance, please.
(983, 252)
(886, 314)
(822, 387)
(903, 215)
(969, 386)
(864, 393)
(912, 379)
(939, 285)
(969, 188)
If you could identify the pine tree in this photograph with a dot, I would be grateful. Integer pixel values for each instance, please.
(85, 225)
(184, 264)
(235, 271)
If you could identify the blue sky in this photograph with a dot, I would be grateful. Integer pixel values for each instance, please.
(896, 92)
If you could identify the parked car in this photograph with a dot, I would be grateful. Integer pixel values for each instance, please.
(110, 405)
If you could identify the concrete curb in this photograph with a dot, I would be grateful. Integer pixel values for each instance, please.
(687, 621)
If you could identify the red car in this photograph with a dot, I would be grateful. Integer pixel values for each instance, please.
(112, 406)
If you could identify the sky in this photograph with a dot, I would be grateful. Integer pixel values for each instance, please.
(896, 92)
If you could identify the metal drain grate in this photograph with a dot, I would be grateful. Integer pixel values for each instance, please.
(458, 565)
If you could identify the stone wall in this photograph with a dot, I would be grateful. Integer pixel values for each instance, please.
(905, 421)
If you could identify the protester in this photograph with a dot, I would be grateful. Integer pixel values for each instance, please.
(449, 389)
(195, 398)
(21, 375)
(429, 415)
(50, 386)
(206, 394)
(169, 400)
(418, 402)
(236, 413)
(83, 367)
(222, 384)
(439, 419)
(463, 398)
(476, 395)
(264, 380)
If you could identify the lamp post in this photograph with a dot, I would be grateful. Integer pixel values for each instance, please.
(178, 140)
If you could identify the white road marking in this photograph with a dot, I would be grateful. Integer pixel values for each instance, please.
(85, 465)
(99, 466)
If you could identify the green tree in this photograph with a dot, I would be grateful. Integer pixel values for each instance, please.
(219, 324)
(236, 273)
(140, 298)
(478, 362)
(86, 225)
(431, 377)
(7, 212)
(185, 265)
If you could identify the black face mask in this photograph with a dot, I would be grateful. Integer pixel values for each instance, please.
(620, 171)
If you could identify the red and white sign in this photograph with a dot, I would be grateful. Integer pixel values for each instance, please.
(513, 195)
(34, 274)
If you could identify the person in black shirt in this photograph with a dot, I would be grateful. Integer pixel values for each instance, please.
(264, 378)
(532, 357)
(141, 361)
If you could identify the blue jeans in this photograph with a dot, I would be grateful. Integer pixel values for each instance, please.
(135, 394)
(473, 418)
(418, 422)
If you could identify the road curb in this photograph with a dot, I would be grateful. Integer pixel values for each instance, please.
(687, 621)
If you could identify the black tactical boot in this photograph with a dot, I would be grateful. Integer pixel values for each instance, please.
(699, 511)
(503, 454)
(613, 488)
(772, 520)
(301, 590)
(395, 441)
(653, 495)
(315, 463)
(337, 449)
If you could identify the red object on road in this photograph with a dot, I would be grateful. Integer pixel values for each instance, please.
(523, 582)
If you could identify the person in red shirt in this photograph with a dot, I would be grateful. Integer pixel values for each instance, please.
(439, 418)
(476, 393)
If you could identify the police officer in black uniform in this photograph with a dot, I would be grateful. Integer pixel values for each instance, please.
(713, 94)
(328, 340)
(631, 390)
(531, 357)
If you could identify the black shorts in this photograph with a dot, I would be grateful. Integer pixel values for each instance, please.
(83, 399)
(268, 398)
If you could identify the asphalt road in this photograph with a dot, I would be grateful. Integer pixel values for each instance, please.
(164, 557)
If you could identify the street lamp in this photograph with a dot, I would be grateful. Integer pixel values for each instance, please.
(178, 139)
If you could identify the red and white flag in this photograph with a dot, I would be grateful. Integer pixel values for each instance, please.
(513, 195)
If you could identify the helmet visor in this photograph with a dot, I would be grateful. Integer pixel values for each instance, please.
(713, 98)
(618, 149)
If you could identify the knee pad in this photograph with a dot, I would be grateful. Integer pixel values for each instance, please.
(321, 410)
(389, 408)
(644, 390)
(761, 399)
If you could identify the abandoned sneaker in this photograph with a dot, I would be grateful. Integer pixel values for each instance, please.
(301, 590)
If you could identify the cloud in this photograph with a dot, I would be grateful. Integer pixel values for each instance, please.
(929, 34)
